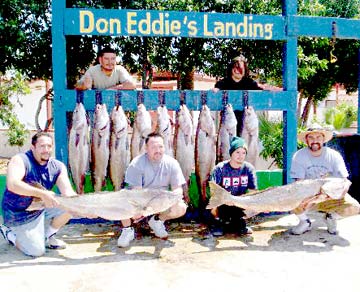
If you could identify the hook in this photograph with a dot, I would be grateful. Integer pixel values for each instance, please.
(203, 97)
(333, 58)
(118, 98)
(225, 98)
(140, 97)
(161, 96)
(98, 97)
(79, 96)
(245, 99)
(182, 97)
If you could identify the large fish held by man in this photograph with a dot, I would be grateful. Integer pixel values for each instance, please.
(142, 128)
(287, 197)
(118, 205)
(205, 149)
(79, 147)
(100, 146)
(119, 147)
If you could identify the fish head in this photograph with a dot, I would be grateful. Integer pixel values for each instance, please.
(143, 120)
(336, 188)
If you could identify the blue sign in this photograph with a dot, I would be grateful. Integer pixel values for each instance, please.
(173, 23)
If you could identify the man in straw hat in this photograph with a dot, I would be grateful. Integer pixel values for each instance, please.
(312, 162)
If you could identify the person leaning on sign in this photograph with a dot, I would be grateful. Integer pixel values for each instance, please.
(32, 175)
(316, 161)
(237, 78)
(107, 74)
(237, 176)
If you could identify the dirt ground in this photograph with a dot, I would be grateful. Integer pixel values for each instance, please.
(269, 260)
(3, 165)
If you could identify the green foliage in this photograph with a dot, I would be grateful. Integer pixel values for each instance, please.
(271, 136)
(12, 85)
(272, 139)
(341, 116)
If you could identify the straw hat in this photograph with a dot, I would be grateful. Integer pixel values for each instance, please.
(316, 128)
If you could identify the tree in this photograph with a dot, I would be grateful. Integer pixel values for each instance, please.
(25, 44)
(318, 71)
(12, 84)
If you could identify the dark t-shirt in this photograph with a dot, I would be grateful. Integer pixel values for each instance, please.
(14, 205)
(235, 180)
(246, 83)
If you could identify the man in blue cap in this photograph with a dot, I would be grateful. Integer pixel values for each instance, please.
(237, 176)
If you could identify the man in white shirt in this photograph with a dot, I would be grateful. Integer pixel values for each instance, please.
(107, 74)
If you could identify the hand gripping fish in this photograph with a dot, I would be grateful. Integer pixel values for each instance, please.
(283, 198)
(119, 205)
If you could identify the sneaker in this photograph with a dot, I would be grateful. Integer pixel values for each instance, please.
(302, 227)
(53, 243)
(158, 227)
(217, 230)
(5, 231)
(246, 231)
(331, 224)
(127, 235)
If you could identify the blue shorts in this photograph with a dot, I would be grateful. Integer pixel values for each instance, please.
(30, 237)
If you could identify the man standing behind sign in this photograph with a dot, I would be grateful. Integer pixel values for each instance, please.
(107, 74)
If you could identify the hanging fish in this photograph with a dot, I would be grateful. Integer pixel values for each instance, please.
(141, 128)
(205, 149)
(251, 134)
(164, 127)
(119, 147)
(184, 143)
(79, 147)
(227, 130)
(100, 146)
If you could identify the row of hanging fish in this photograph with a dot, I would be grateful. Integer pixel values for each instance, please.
(110, 149)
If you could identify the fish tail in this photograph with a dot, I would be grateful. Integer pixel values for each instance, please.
(218, 195)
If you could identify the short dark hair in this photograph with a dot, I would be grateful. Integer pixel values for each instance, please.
(153, 135)
(38, 135)
(106, 49)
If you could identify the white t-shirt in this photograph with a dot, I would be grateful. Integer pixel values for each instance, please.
(101, 81)
(329, 163)
(146, 174)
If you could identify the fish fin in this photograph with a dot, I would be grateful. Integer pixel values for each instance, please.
(77, 139)
(217, 195)
(249, 213)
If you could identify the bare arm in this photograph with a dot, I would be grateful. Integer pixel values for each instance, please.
(15, 183)
(63, 183)
(128, 85)
(85, 83)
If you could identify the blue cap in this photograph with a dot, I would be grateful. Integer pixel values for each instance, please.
(237, 142)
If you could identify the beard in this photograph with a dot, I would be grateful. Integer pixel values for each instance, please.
(315, 146)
